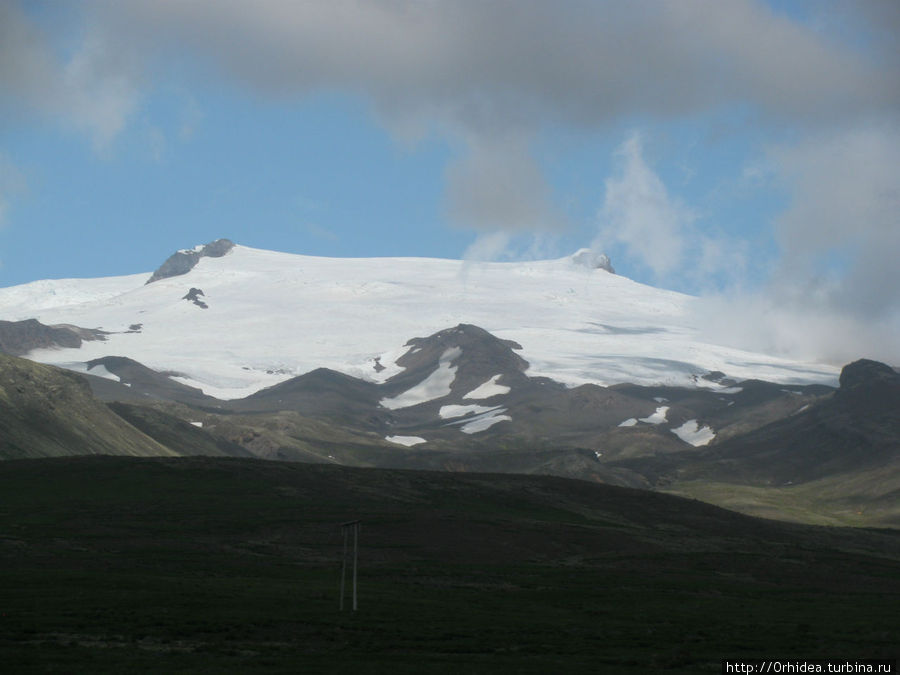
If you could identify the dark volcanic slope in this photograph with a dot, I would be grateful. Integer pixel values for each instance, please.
(451, 409)
(319, 393)
(51, 412)
(138, 382)
(46, 412)
(856, 428)
(744, 406)
(20, 337)
(175, 433)
(479, 356)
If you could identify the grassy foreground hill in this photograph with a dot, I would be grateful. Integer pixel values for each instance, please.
(50, 412)
(114, 564)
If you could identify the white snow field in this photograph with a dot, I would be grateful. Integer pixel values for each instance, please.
(272, 316)
(691, 432)
(436, 385)
(448, 412)
(488, 390)
(483, 421)
(658, 417)
(408, 441)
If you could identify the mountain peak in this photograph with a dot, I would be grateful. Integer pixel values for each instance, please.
(182, 262)
(866, 372)
(591, 259)
(474, 354)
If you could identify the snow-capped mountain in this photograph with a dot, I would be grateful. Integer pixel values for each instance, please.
(555, 367)
(232, 320)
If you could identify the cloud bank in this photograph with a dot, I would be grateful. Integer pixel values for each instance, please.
(835, 290)
(90, 90)
(492, 74)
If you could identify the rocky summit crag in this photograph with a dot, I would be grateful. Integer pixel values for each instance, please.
(182, 262)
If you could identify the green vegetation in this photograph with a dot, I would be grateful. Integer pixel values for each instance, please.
(111, 564)
(865, 498)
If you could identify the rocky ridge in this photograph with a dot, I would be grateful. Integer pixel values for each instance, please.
(182, 262)
(20, 337)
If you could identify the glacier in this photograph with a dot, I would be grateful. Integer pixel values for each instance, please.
(272, 316)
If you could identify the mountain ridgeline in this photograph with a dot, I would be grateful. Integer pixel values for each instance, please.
(462, 401)
(584, 375)
(20, 337)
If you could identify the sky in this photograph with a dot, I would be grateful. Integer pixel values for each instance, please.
(745, 151)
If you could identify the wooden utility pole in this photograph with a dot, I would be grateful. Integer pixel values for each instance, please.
(345, 531)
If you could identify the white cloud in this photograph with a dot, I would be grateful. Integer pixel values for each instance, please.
(639, 214)
(835, 290)
(642, 222)
(497, 186)
(794, 322)
(494, 74)
(719, 261)
(90, 91)
(491, 64)
(487, 246)
(844, 216)
(94, 96)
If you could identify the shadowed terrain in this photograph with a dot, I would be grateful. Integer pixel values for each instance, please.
(205, 564)
(809, 454)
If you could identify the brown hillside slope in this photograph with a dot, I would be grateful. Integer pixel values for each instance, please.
(49, 412)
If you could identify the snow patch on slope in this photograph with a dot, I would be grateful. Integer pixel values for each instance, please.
(485, 421)
(657, 417)
(691, 432)
(448, 412)
(488, 389)
(408, 441)
(482, 421)
(388, 362)
(436, 385)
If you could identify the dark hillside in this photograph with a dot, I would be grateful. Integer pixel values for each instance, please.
(47, 412)
(834, 461)
(857, 427)
(209, 564)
